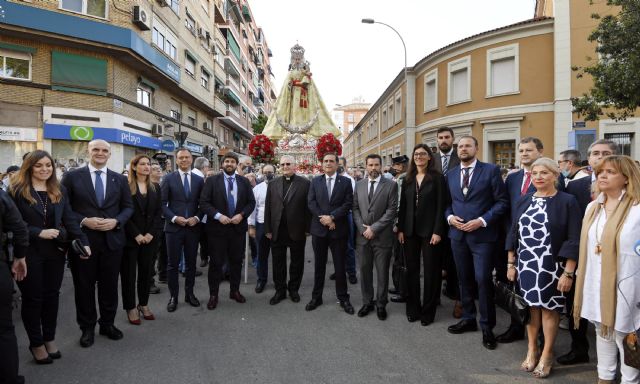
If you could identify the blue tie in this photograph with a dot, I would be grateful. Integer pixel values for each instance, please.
(187, 192)
(99, 188)
(230, 200)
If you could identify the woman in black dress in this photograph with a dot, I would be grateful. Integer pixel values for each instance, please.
(45, 208)
(421, 225)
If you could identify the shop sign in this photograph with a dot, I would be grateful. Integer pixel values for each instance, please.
(112, 135)
(168, 145)
(18, 134)
(193, 147)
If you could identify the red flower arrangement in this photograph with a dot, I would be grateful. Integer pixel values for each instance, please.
(328, 144)
(261, 149)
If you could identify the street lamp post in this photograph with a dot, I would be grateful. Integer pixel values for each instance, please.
(410, 137)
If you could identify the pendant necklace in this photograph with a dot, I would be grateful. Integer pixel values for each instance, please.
(603, 209)
(44, 206)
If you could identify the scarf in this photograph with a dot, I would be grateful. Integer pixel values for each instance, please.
(610, 243)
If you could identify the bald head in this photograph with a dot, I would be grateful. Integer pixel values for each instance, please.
(99, 153)
(288, 165)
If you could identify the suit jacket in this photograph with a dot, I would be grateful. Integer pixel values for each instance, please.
(147, 216)
(486, 198)
(581, 190)
(64, 218)
(429, 219)
(513, 184)
(117, 203)
(337, 206)
(175, 203)
(563, 223)
(11, 221)
(379, 213)
(454, 161)
(298, 214)
(213, 200)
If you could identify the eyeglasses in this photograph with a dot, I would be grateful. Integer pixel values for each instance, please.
(420, 154)
(283, 164)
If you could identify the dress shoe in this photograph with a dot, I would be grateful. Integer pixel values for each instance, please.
(332, 276)
(426, 322)
(364, 311)
(46, 360)
(133, 321)
(412, 319)
(393, 291)
(237, 296)
(382, 313)
(463, 326)
(488, 339)
(397, 299)
(213, 303)
(111, 332)
(457, 310)
(313, 304)
(348, 308)
(513, 333)
(353, 279)
(260, 286)
(55, 355)
(204, 263)
(148, 315)
(86, 340)
(278, 297)
(191, 299)
(153, 289)
(573, 358)
(173, 304)
(295, 296)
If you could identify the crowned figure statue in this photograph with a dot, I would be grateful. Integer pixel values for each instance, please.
(299, 113)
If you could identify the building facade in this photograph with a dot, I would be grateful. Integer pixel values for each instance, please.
(499, 86)
(346, 117)
(144, 75)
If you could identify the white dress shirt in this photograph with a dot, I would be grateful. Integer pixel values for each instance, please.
(473, 168)
(260, 194)
(182, 173)
(375, 185)
(353, 181)
(103, 176)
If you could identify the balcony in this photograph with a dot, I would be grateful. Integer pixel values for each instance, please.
(220, 14)
(233, 112)
(231, 63)
(231, 82)
(219, 105)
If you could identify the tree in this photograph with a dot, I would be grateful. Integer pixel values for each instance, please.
(616, 74)
(259, 123)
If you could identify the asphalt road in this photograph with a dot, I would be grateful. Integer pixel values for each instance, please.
(259, 343)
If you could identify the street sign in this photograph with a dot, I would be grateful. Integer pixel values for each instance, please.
(579, 124)
(168, 146)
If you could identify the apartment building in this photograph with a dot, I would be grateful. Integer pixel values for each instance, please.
(144, 75)
(499, 86)
(346, 117)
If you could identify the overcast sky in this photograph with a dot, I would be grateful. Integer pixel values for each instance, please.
(350, 59)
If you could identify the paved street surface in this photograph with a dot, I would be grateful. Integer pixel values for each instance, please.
(259, 343)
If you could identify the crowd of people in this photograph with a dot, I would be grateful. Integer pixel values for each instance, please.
(567, 237)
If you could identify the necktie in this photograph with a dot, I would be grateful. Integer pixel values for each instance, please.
(527, 183)
(371, 191)
(445, 164)
(329, 186)
(465, 180)
(99, 188)
(230, 200)
(187, 192)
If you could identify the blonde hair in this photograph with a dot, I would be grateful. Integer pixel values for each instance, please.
(547, 163)
(628, 168)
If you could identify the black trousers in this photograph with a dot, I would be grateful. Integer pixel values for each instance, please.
(579, 341)
(162, 257)
(449, 266)
(418, 249)
(398, 261)
(8, 341)
(184, 241)
(137, 259)
(204, 245)
(321, 246)
(296, 266)
(101, 269)
(230, 250)
(41, 290)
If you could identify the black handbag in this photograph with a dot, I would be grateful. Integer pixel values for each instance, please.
(507, 299)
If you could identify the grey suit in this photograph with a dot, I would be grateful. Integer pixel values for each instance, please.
(454, 161)
(379, 213)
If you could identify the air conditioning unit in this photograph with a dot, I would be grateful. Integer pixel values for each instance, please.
(141, 18)
(207, 35)
(165, 3)
(206, 126)
(201, 32)
(157, 129)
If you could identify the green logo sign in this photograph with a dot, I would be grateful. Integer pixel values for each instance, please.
(81, 133)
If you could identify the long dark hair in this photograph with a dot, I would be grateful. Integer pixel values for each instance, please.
(133, 175)
(21, 181)
(413, 169)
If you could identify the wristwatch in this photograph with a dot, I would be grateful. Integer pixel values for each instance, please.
(568, 274)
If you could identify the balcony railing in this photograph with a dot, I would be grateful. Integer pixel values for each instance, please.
(219, 105)
(233, 112)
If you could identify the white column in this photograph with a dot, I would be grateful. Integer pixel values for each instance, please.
(410, 113)
(563, 118)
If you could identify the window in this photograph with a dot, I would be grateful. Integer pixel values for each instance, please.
(78, 73)
(459, 80)
(384, 119)
(190, 23)
(191, 117)
(143, 95)
(431, 90)
(623, 140)
(398, 108)
(350, 127)
(350, 118)
(189, 65)
(502, 70)
(390, 115)
(175, 6)
(205, 77)
(164, 39)
(15, 65)
(244, 113)
(96, 8)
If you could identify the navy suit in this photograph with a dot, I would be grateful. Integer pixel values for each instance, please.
(227, 242)
(337, 205)
(106, 247)
(581, 190)
(181, 240)
(473, 251)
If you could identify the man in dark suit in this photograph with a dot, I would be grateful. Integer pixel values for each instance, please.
(227, 200)
(101, 199)
(180, 196)
(375, 207)
(478, 201)
(444, 160)
(581, 189)
(286, 223)
(330, 199)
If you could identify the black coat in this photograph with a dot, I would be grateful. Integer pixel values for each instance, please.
(581, 190)
(175, 203)
(337, 206)
(147, 215)
(11, 221)
(213, 200)
(431, 205)
(298, 214)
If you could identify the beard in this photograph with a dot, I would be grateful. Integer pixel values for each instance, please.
(444, 147)
(229, 170)
(466, 156)
(374, 174)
